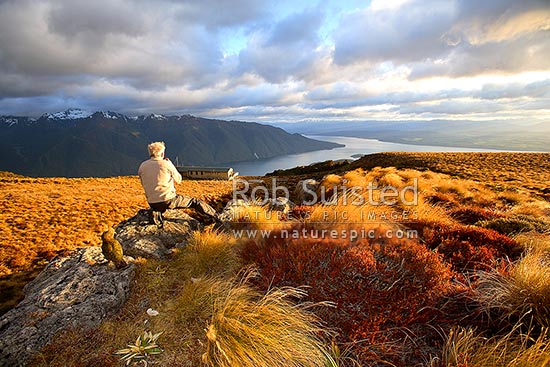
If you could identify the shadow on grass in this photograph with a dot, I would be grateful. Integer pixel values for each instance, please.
(11, 288)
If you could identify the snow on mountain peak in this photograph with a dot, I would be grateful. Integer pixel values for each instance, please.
(70, 114)
(10, 121)
(15, 120)
(157, 117)
(110, 115)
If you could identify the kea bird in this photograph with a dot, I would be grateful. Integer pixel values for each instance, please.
(112, 249)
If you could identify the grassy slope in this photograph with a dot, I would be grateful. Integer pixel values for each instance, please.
(519, 170)
(42, 217)
(419, 311)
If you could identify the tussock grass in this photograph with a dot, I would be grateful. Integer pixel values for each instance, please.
(249, 329)
(463, 191)
(348, 214)
(534, 242)
(331, 180)
(209, 315)
(388, 291)
(356, 178)
(535, 208)
(208, 253)
(194, 302)
(437, 194)
(355, 198)
(259, 217)
(431, 214)
(512, 197)
(464, 348)
(392, 179)
(521, 294)
(516, 224)
(529, 170)
(42, 216)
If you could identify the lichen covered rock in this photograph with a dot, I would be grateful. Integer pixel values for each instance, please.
(78, 290)
(140, 238)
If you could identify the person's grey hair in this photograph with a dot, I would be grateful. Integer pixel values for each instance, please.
(156, 149)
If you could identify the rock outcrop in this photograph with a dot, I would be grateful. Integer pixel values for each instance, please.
(78, 290)
(281, 204)
(139, 238)
(236, 209)
(82, 289)
(304, 191)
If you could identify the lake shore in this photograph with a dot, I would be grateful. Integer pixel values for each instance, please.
(353, 148)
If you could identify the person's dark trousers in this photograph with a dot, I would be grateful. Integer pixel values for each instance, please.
(155, 215)
(183, 202)
(189, 202)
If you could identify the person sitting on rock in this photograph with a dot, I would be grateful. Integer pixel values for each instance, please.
(158, 176)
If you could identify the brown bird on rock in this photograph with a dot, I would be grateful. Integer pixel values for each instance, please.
(112, 249)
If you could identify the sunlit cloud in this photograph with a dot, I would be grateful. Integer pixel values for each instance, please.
(279, 61)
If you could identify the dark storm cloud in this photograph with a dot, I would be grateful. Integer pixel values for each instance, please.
(216, 13)
(287, 51)
(142, 44)
(16, 85)
(84, 20)
(299, 28)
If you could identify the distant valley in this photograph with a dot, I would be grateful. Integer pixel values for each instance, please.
(75, 143)
(502, 135)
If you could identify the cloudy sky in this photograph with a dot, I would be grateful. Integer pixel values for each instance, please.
(279, 61)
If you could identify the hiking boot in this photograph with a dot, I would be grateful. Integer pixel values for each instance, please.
(157, 219)
(219, 223)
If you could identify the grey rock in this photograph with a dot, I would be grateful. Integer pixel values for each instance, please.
(233, 209)
(281, 204)
(304, 189)
(80, 290)
(76, 291)
(139, 238)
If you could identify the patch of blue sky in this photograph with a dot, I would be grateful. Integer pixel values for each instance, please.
(234, 40)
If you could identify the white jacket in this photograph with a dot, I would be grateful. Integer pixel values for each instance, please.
(157, 177)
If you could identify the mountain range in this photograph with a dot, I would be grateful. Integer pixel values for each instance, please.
(77, 143)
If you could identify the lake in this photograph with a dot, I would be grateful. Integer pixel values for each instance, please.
(353, 146)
